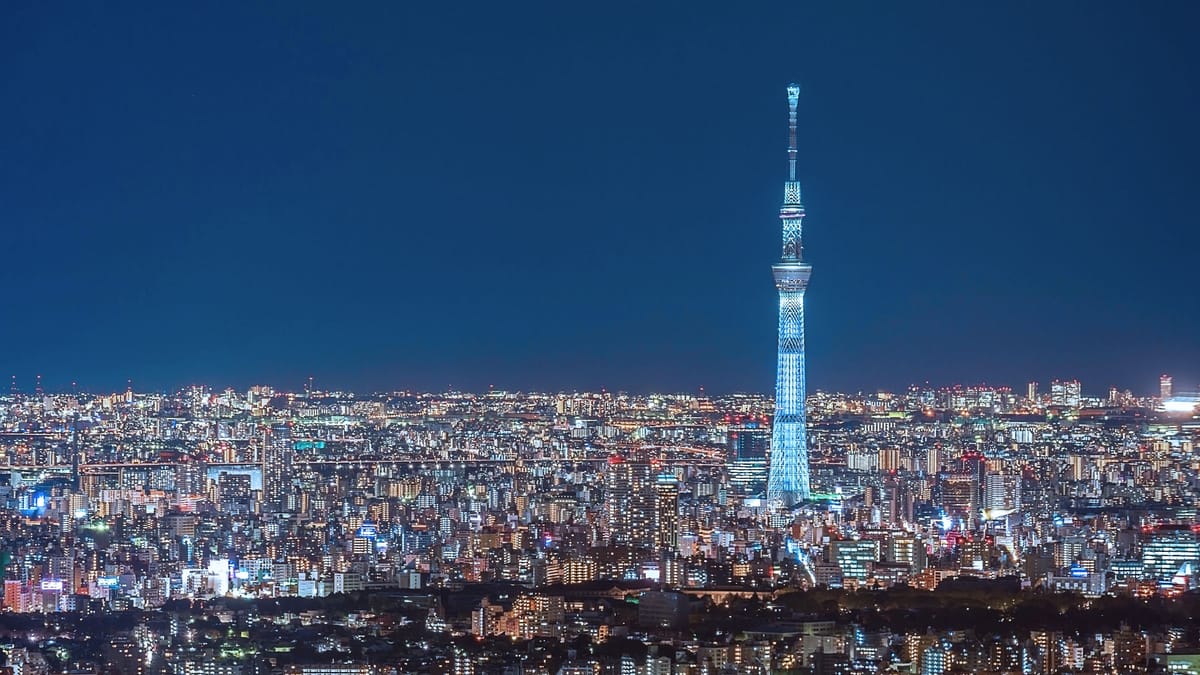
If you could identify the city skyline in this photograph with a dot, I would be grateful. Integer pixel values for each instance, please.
(174, 223)
(299, 388)
(967, 530)
(395, 339)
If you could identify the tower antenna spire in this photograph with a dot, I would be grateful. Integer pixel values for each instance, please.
(793, 95)
(792, 212)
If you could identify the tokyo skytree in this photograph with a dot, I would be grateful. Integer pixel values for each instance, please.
(788, 482)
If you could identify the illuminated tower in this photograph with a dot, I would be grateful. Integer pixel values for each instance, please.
(787, 483)
(1164, 387)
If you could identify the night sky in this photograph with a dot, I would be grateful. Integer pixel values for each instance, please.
(570, 196)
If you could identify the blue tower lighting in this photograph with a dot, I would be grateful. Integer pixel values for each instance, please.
(788, 480)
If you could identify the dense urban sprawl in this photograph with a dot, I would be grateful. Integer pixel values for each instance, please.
(260, 531)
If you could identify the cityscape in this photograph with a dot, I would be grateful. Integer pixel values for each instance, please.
(303, 187)
(951, 530)
(965, 529)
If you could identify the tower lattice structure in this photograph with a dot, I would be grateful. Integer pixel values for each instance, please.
(788, 481)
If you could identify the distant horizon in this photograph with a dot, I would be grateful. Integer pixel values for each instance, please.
(766, 392)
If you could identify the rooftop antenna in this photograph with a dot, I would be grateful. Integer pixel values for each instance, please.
(793, 92)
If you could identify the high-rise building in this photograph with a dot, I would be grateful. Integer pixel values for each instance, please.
(749, 441)
(905, 550)
(233, 490)
(666, 512)
(974, 464)
(1002, 492)
(1049, 648)
(538, 615)
(960, 497)
(75, 454)
(1031, 392)
(933, 660)
(629, 502)
(856, 557)
(788, 481)
(898, 500)
(1165, 388)
(277, 465)
(1168, 550)
(1067, 394)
